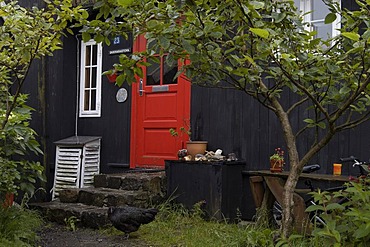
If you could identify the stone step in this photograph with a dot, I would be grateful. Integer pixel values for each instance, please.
(152, 181)
(106, 197)
(86, 215)
(138, 188)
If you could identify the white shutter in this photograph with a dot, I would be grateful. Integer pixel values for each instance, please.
(67, 169)
(90, 163)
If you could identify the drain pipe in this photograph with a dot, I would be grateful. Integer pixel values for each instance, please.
(78, 85)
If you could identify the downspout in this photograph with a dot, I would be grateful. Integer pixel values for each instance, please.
(78, 85)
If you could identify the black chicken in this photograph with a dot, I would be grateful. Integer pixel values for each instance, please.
(128, 219)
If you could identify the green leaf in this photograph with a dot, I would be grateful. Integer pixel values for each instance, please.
(366, 34)
(362, 231)
(263, 33)
(309, 121)
(188, 47)
(216, 35)
(333, 206)
(321, 125)
(351, 35)
(86, 36)
(125, 3)
(314, 208)
(70, 31)
(120, 79)
(257, 4)
(164, 42)
(330, 18)
(278, 17)
(85, 14)
(99, 38)
(152, 24)
(344, 90)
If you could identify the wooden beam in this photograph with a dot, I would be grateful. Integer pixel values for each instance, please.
(257, 189)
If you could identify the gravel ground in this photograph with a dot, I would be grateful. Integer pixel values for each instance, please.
(55, 235)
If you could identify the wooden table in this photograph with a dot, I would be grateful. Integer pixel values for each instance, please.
(266, 187)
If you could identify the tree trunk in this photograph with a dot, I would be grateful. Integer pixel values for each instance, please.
(295, 169)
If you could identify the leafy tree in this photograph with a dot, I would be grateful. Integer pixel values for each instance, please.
(263, 49)
(25, 35)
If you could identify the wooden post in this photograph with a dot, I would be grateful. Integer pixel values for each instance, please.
(301, 221)
(257, 189)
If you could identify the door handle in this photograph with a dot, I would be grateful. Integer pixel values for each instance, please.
(141, 90)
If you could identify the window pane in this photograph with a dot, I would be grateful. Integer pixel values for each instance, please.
(320, 10)
(93, 77)
(153, 73)
(297, 3)
(169, 72)
(87, 100)
(94, 55)
(323, 30)
(88, 55)
(93, 100)
(87, 77)
(152, 45)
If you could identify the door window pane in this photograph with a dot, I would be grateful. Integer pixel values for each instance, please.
(169, 72)
(153, 73)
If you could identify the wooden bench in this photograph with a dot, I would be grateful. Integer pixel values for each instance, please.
(266, 187)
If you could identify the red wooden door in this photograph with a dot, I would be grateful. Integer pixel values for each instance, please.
(158, 104)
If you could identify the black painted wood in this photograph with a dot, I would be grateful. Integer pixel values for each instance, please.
(234, 122)
(218, 185)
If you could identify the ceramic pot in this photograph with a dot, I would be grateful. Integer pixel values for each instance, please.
(196, 147)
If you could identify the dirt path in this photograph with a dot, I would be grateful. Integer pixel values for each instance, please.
(55, 235)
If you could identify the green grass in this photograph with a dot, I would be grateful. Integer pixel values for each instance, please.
(18, 227)
(176, 226)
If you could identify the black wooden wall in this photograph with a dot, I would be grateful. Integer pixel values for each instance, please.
(234, 122)
(53, 85)
(114, 124)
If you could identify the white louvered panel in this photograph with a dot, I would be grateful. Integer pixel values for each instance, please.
(67, 169)
(90, 163)
(76, 165)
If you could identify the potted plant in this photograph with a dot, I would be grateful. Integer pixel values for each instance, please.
(193, 147)
(277, 160)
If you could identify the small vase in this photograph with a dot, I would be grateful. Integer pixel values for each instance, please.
(276, 165)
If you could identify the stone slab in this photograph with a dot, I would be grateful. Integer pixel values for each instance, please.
(87, 216)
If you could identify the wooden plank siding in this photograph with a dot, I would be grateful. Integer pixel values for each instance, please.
(234, 122)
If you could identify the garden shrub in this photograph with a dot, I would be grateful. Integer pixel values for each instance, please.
(347, 224)
(18, 226)
(17, 141)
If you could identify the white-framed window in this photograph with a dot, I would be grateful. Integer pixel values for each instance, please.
(315, 12)
(90, 79)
